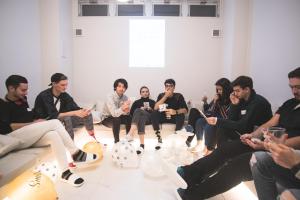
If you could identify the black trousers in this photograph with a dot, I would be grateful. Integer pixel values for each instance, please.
(115, 123)
(193, 117)
(226, 161)
(229, 175)
(160, 117)
(224, 135)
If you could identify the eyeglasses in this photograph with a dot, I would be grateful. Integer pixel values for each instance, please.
(169, 85)
(297, 87)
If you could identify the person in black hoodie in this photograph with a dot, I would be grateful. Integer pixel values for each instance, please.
(170, 107)
(56, 103)
(141, 115)
(247, 110)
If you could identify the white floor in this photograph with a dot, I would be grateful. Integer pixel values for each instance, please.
(106, 181)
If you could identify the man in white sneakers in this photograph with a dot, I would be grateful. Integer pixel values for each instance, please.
(19, 122)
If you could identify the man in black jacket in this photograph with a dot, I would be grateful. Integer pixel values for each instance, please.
(228, 165)
(170, 107)
(247, 110)
(56, 103)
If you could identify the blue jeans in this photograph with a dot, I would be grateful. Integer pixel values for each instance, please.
(203, 128)
(266, 173)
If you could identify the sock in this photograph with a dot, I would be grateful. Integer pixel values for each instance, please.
(158, 136)
(79, 156)
(66, 174)
(138, 151)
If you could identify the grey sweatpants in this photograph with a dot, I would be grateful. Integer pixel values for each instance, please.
(71, 122)
(141, 118)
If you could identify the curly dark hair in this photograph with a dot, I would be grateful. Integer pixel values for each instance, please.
(122, 81)
(227, 90)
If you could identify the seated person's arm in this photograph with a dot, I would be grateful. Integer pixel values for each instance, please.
(272, 122)
(114, 110)
(293, 142)
(160, 100)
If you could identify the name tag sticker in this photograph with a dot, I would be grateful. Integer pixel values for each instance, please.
(243, 112)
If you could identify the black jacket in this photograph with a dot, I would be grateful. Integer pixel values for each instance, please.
(247, 114)
(140, 103)
(44, 104)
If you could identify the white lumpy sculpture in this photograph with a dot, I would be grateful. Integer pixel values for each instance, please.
(124, 155)
(175, 149)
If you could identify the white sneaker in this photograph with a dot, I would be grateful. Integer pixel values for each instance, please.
(129, 137)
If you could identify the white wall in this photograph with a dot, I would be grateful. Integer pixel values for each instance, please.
(260, 38)
(236, 27)
(193, 57)
(275, 46)
(20, 43)
(56, 38)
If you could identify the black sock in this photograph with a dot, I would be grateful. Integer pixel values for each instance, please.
(158, 136)
(138, 151)
(66, 174)
(79, 156)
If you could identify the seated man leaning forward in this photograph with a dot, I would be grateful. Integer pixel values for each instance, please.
(205, 177)
(141, 111)
(116, 110)
(170, 107)
(56, 103)
(18, 122)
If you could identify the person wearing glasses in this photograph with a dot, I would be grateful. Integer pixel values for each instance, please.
(141, 111)
(170, 107)
(56, 103)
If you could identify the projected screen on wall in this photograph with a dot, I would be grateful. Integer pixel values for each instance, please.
(146, 43)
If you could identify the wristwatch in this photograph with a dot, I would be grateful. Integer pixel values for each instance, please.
(296, 170)
(176, 112)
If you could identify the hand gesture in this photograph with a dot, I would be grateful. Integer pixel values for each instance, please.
(284, 155)
(255, 144)
(216, 98)
(168, 93)
(204, 99)
(245, 136)
(170, 111)
(81, 113)
(126, 106)
(234, 100)
(211, 120)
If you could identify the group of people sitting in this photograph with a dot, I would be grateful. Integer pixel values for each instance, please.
(227, 124)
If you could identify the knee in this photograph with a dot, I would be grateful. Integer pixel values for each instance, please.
(56, 123)
(193, 111)
(200, 122)
(258, 159)
(66, 119)
(52, 135)
(89, 117)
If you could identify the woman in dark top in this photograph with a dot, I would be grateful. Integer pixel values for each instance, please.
(140, 112)
(218, 107)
